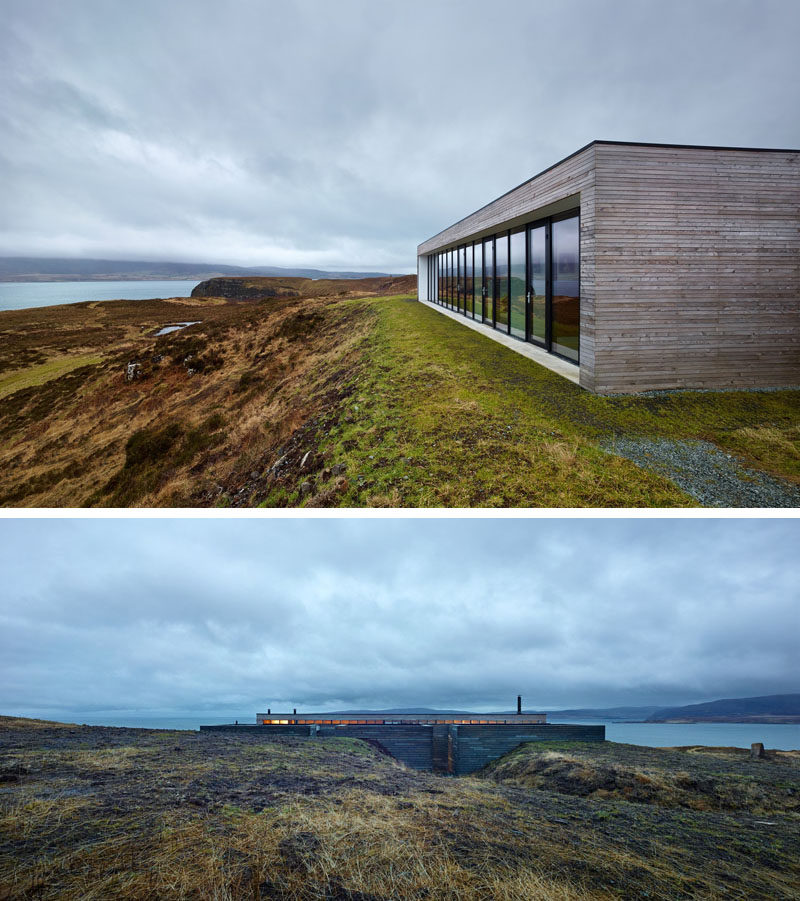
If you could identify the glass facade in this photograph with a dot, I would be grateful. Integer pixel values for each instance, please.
(566, 295)
(462, 280)
(488, 281)
(525, 283)
(517, 284)
(501, 282)
(478, 248)
(469, 308)
(538, 284)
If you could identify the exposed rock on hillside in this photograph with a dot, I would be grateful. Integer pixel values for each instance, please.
(258, 288)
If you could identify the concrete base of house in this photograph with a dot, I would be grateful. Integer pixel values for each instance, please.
(555, 364)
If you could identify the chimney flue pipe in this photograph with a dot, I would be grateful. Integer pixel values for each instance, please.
(519, 704)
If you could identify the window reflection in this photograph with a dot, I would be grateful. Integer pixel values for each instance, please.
(538, 285)
(461, 283)
(488, 281)
(479, 280)
(566, 281)
(468, 283)
(526, 283)
(501, 282)
(517, 284)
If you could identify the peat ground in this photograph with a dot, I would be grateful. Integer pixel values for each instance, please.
(94, 812)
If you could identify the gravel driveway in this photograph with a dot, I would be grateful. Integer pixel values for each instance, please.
(709, 475)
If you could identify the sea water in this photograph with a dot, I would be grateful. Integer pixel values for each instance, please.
(23, 295)
(783, 737)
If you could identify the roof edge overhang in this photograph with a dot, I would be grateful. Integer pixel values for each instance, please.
(598, 142)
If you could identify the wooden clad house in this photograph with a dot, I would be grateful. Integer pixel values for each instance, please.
(630, 267)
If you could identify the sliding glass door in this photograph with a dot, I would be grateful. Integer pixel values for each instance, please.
(525, 283)
(501, 283)
(517, 285)
(478, 288)
(565, 304)
(537, 255)
(488, 281)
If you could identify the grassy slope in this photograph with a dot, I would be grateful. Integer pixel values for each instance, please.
(444, 416)
(418, 410)
(98, 813)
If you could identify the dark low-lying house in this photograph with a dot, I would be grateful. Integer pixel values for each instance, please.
(455, 744)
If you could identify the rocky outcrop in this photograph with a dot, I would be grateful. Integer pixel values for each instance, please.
(257, 288)
(246, 288)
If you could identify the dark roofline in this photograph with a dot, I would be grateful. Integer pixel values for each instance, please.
(617, 144)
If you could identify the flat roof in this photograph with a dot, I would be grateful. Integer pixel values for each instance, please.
(618, 144)
(367, 719)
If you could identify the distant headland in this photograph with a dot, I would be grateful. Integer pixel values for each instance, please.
(58, 269)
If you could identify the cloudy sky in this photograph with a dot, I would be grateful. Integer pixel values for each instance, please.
(223, 616)
(341, 134)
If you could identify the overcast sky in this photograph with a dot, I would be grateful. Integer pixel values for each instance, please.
(342, 134)
(186, 616)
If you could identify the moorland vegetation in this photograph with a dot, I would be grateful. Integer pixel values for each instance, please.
(295, 392)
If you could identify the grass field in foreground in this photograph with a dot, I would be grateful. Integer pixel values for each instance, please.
(93, 813)
(443, 416)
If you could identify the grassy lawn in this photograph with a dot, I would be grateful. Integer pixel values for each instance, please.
(441, 415)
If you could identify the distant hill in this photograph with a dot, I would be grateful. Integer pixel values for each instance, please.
(55, 269)
(768, 708)
(631, 714)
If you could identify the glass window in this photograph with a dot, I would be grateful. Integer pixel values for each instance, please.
(566, 284)
(488, 281)
(517, 284)
(501, 282)
(538, 264)
(462, 275)
(478, 280)
(468, 282)
(451, 279)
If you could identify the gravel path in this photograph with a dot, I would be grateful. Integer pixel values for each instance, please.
(712, 477)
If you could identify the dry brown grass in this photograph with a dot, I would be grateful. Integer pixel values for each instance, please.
(264, 367)
(108, 813)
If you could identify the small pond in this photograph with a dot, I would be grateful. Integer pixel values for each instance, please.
(174, 328)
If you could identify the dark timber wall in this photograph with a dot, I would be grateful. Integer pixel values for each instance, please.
(479, 745)
(440, 749)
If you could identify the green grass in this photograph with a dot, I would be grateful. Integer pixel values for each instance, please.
(44, 372)
(443, 416)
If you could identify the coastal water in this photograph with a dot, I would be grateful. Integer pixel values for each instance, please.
(783, 737)
(652, 735)
(23, 295)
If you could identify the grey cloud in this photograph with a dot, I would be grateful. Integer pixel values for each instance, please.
(342, 134)
(213, 614)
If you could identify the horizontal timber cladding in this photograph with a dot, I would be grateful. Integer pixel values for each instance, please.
(478, 746)
(450, 749)
(411, 745)
(689, 261)
(697, 268)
